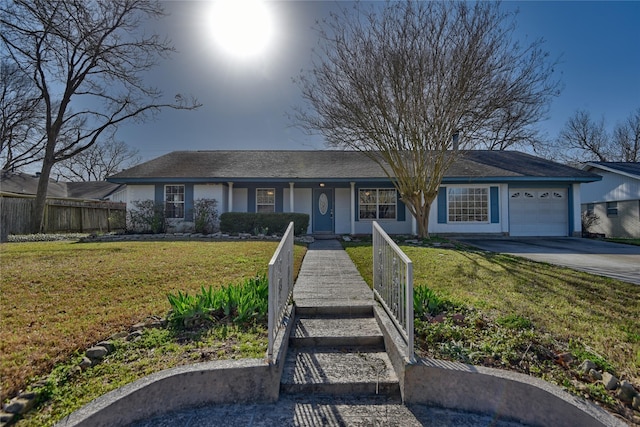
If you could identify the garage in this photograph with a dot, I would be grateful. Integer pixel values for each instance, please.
(538, 212)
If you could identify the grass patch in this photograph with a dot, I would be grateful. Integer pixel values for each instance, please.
(635, 242)
(509, 312)
(59, 298)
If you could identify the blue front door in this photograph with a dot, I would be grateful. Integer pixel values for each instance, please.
(322, 210)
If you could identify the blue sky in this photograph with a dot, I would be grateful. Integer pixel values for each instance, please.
(245, 103)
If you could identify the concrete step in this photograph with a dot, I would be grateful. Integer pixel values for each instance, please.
(337, 332)
(334, 309)
(339, 371)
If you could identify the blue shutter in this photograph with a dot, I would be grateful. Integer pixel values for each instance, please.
(495, 205)
(159, 196)
(356, 208)
(442, 205)
(400, 208)
(251, 199)
(188, 202)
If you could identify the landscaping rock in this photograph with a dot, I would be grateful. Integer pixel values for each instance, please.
(134, 335)
(610, 382)
(565, 358)
(596, 375)
(85, 363)
(19, 405)
(6, 418)
(96, 353)
(108, 345)
(626, 392)
(119, 335)
(587, 366)
(635, 403)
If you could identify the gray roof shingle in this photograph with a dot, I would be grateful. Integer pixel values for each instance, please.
(264, 165)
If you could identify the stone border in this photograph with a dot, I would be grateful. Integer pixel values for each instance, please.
(504, 394)
(226, 381)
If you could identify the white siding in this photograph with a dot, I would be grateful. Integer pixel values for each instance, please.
(302, 203)
(613, 187)
(136, 193)
(342, 211)
(208, 191)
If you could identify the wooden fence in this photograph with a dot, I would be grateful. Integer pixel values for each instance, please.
(61, 215)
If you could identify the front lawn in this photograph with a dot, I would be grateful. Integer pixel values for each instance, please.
(509, 312)
(58, 298)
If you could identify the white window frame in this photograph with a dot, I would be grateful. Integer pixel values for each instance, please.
(177, 204)
(262, 203)
(466, 208)
(377, 204)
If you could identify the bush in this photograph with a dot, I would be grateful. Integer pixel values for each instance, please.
(147, 216)
(205, 216)
(243, 222)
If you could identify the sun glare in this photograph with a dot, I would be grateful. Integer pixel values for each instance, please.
(242, 28)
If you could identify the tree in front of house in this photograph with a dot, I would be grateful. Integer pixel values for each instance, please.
(21, 116)
(583, 139)
(87, 60)
(413, 85)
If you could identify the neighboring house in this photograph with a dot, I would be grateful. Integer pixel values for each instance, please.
(615, 200)
(487, 192)
(27, 184)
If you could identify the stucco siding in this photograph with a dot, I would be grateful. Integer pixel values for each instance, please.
(342, 211)
(301, 202)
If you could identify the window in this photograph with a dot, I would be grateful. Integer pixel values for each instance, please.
(591, 209)
(174, 201)
(469, 204)
(265, 200)
(377, 203)
(612, 208)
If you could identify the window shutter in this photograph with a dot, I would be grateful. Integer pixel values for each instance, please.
(442, 205)
(400, 208)
(495, 205)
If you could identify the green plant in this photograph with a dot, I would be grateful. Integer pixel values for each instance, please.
(581, 352)
(277, 222)
(514, 321)
(241, 304)
(425, 301)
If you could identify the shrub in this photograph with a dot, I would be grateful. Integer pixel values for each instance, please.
(244, 222)
(147, 216)
(205, 216)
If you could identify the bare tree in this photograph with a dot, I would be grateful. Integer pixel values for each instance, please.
(87, 58)
(584, 139)
(414, 84)
(97, 162)
(20, 118)
(626, 138)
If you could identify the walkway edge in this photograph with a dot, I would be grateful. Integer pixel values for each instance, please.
(504, 394)
(215, 382)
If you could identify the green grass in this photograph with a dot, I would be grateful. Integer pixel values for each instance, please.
(625, 241)
(62, 297)
(515, 313)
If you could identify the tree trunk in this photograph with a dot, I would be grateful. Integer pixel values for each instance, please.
(37, 218)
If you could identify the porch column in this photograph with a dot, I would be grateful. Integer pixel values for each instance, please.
(353, 208)
(230, 197)
(291, 198)
(414, 226)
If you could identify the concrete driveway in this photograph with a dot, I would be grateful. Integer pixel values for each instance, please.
(615, 260)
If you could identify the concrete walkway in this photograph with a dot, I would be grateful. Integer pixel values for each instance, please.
(328, 283)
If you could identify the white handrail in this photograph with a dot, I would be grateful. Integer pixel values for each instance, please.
(393, 284)
(280, 287)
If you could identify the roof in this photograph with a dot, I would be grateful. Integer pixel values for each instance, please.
(22, 183)
(630, 169)
(274, 165)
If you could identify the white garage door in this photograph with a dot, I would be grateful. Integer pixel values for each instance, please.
(538, 212)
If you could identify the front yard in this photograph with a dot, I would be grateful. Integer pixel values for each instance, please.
(507, 312)
(58, 298)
